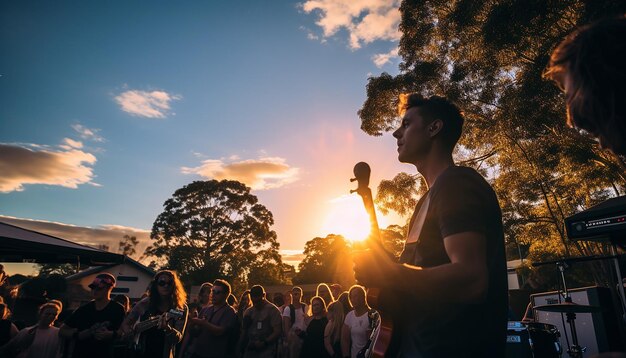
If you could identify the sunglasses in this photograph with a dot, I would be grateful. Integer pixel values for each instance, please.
(165, 283)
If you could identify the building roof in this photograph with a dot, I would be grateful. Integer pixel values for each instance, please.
(96, 269)
(22, 245)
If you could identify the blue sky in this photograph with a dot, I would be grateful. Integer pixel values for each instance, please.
(106, 108)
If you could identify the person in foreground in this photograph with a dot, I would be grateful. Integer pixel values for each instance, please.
(93, 326)
(452, 271)
(590, 67)
(166, 301)
(261, 327)
(40, 340)
(217, 325)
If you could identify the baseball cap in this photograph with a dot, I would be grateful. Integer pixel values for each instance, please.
(103, 280)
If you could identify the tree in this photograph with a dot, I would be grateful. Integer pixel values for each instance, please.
(488, 57)
(214, 229)
(128, 245)
(46, 270)
(327, 259)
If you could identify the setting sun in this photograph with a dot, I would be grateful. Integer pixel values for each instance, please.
(347, 217)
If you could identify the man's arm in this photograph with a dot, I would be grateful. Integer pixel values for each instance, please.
(465, 279)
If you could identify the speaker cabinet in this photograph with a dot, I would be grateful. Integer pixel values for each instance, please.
(599, 331)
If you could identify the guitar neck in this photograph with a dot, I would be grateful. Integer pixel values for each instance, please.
(146, 325)
(368, 202)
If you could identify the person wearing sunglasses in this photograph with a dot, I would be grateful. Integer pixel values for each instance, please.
(165, 304)
(217, 324)
(92, 327)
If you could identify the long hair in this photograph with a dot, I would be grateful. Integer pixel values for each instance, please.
(335, 318)
(244, 303)
(178, 296)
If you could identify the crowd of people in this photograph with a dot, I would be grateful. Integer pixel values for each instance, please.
(333, 323)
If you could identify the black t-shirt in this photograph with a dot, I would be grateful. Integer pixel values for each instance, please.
(85, 317)
(460, 201)
(313, 345)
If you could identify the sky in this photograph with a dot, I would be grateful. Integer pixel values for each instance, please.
(106, 108)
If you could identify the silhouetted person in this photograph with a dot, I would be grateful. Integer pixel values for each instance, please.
(590, 67)
(453, 267)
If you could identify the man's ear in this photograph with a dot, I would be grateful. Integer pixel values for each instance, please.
(435, 127)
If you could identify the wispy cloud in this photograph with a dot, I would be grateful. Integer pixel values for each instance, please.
(382, 59)
(154, 104)
(292, 257)
(88, 133)
(109, 235)
(67, 166)
(259, 174)
(365, 20)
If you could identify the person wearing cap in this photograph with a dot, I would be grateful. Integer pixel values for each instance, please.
(261, 327)
(92, 327)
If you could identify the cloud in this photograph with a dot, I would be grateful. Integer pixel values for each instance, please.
(70, 143)
(34, 164)
(382, 59)
(155, 104)
(109, 235)
(87, 133)
(292, 257)
(365, 20)
(259, 174)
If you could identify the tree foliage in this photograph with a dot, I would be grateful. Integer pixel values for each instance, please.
(128, 245)
(327, 259)
(488, 57)
(46, 270)
(216, 229)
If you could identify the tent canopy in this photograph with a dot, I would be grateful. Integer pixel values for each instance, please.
(21, 245)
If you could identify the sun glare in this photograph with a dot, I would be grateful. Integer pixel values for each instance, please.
(347, 217)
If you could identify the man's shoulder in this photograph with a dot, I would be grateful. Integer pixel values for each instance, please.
(89, 306)
(457, 173)
(115, 307)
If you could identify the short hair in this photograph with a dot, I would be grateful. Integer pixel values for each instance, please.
(356, 288)
(57, 305)
(223, 284)
(433, 108)
(594, 58)
(257, 291)
(205, 286)
(297, 288)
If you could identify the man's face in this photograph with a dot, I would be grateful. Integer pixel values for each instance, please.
(100, 292)
(218, 295)
(607, 138)
(357, 298)
(48, 315)
(412, 137)
(256, 300)
(297, 295)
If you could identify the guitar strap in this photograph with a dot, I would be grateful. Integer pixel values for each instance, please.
(416, 228)
(413, 237)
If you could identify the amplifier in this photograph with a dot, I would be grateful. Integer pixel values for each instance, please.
(603, 222)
